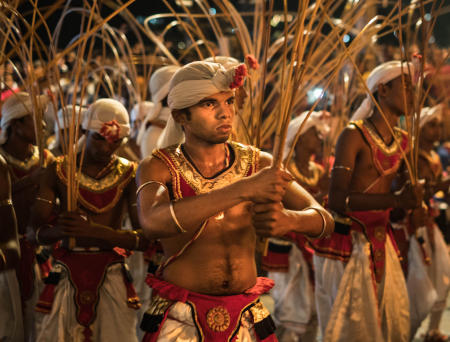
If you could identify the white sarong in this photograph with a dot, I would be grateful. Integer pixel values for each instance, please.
(294, 296)
(114, 321)
(11, 318)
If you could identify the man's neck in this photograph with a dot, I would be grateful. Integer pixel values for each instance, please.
(18, 148)
(208, 158)
(302, 158)
(96, 169)
(426, 145)
(380, 123)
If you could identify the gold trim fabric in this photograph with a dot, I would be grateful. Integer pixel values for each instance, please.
(246, 157)
(111, 180)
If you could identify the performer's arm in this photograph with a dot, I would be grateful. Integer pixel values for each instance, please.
(341, 200)
(9, 244)
(43, 207)
(143, 243)
(154, 205)
(297, 212)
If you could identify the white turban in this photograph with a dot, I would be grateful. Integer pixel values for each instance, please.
(319, 120)
(429, 113)
(64, 118)
(140, 110)
(159, 88)
(17, 106)
(190, 85)
(227, 62)
(382, 74)
(107, 117)
(198, 80)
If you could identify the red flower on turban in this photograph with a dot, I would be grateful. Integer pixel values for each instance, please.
(252, 62)
(110, 131)
(240, 72)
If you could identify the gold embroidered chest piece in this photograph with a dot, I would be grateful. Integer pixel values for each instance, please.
(387, 150)
(24, 165)
(245, 159)
(311, 181)
(118, 173)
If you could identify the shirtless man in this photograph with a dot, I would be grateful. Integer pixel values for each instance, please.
(207, 200)
(367, 160)
(88, 295)
(18, 148)
(430, 169)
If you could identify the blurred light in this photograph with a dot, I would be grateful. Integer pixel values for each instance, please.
(346, 38)
(140, 19)
(346, 78)
(432, 40)
(181, 45)
(314, 94)
(427, 16)
(187, 3)
(275, 20)
(212, 11)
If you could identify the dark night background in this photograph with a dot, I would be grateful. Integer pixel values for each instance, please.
(144, 8)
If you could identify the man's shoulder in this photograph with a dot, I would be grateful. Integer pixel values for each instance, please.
(352, 132)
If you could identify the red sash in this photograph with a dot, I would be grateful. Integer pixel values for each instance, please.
(217, 317)
(339, 246)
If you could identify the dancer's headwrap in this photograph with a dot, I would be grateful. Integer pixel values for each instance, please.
(227, 62)
(191, 84)
(17, 106)
(382, 74)
(429, 113)
(159, 88)
(140, 111)
(320, 120)
(65, 117)
(109, 118)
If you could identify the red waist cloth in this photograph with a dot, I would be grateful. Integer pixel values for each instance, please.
(277, 258)
(217, 317)
(86, 271)
(339, 246)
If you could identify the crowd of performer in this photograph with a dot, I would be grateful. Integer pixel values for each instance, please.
(178, 230)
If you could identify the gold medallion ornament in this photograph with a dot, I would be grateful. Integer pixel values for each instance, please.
(87, 297)
(218, 319)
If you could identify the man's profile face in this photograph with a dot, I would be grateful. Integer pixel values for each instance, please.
(25, 129)
(211, 119)
(400, 95)
(99, 148)
(431, 131)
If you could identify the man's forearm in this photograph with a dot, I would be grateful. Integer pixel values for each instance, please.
(190, 212)
(361, 202)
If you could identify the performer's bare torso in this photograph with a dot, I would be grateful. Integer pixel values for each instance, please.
(221, 261)
(365, 174)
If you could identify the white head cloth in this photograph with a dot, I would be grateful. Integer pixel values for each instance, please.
(106, 111)
(319, 120)
(429, 113)
(140, 110)
(15, 107)
(159, 88)
(382, 74)
(189, 86)
(64, 118)
(227, 62)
